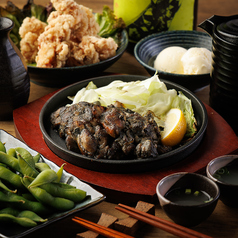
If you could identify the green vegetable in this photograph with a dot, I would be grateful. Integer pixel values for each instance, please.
(26, 162)
(11, 177)
(23, 221)
(46, 176)
(40, 166)
(2, 147)
(9, 160)
(141, 96)
(44, 197)
(109, 25)
(23, 205)
(31, 215)
(18, 15)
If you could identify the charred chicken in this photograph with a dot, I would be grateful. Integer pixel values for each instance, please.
(111, 132)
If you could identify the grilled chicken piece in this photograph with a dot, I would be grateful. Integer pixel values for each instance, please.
(111, 132)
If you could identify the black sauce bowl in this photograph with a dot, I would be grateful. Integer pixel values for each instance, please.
(187, 215)
(229, 192)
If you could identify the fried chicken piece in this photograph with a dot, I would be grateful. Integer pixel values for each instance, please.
(85, 23)
(92, 49)
(106, 47)
(53, 55)
(29, 31)
(53, 42)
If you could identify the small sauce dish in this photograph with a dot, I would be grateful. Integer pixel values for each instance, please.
(187, 198)
(224, 171)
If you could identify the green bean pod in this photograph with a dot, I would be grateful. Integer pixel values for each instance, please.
(2, 147)
(23, 221)
(10, 161)
(60, 172)
(10, 210)
(44, 197)
(76, 195)
(36, 157)
(4, 197)
(22, 203)
(11, 177)
(26, 155)
(28, 196)
(41, 166)
(12, 152)
(31, 215)
(46, 176)
(27, 167)
(4, 187)
(59, 190)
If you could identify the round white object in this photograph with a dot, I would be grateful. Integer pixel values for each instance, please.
(169, 60)
(197, 61)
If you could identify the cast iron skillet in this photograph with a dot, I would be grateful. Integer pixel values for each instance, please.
(57, 144)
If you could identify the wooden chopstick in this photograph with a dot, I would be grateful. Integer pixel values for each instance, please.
(102, 230)
(168, 226)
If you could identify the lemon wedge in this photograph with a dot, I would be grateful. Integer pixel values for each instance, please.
(175, 127)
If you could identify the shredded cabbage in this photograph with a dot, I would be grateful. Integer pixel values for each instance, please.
(141, 96)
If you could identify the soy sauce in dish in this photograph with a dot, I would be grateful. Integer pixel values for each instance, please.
(182, 196)
(227, 174)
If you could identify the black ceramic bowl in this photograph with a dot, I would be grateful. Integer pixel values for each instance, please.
(59, 77)
(147, 49)
(229, 189)
(187, 215)
(57, 145)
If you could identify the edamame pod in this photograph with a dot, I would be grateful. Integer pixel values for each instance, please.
(74, 194)
(10, 161)
(23, 221)
(44, 197)
(26, 155)
(10, 210)
(46, 176)
(60, 172)
(41, 166)
(31, 215)
(36, 157)
(11, 177)
(26, 166)
(12, 152)
(4, 197)
(2, 147)
(22, 203)
(4, 187)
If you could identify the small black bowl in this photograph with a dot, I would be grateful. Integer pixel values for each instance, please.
(59, 77)
(147, 49)
(187, 215)
(229, 191)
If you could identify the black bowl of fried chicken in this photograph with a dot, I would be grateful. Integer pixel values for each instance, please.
(72, 44)
(60, 124)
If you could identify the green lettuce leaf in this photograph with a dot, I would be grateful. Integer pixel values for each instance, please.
(109, 25)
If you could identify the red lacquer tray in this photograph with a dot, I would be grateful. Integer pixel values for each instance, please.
(219, 139)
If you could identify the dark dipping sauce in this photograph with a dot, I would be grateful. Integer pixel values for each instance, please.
(227, 174)
(188, 197)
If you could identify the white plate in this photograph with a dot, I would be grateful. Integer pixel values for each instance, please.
(93, 196)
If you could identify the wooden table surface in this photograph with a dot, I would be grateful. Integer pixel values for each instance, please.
(222, 223)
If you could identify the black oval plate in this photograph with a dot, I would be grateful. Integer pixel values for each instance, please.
(57, 144)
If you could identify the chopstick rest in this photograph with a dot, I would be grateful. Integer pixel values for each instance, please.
(168, 226)
(102, 230)
(130, 225)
